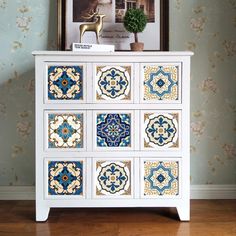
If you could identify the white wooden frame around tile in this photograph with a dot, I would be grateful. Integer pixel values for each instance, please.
(60, 101)
(58, 197)
(161, 196)
(47, 112)
(132, 78)
(116, 111)
(112, 159)
(179, 130)
(179, 100)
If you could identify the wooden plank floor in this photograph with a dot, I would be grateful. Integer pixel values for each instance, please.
(208, 218)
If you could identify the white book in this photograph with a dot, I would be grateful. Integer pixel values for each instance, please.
(87, 47)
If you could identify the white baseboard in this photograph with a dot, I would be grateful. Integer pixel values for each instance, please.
(17, 193)
(197, 192)
(210, 191)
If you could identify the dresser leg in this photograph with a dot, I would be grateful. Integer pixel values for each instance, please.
(184, 213)
(42, 213)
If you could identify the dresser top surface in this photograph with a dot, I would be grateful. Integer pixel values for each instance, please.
(118, 53)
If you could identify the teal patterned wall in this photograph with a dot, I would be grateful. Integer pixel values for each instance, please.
(207, 27)
(25, 25)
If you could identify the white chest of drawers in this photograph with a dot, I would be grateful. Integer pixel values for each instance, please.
(112, 130)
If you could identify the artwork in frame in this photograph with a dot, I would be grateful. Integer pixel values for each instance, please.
(71, 15)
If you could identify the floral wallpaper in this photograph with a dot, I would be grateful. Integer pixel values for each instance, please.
(208, 28)
(26, 25)
(201, 26)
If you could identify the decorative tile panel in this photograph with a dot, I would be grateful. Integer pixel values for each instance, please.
(160, 83)
(113, 130)
(65, 130)
(113, 178)
(161, 178)
(161, 130)
(65, 82)
(65, 178)
(113, 82)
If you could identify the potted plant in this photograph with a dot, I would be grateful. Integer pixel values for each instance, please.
(135, 22)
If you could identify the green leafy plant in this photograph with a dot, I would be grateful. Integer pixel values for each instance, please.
(135, 21)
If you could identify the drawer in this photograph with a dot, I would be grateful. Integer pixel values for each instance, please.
(112, 178)
(160, 83)
(65, 82)
(160, 177)
(113, 130)
(65, 178)
(160, 129)
(113, 83)
(65, 130)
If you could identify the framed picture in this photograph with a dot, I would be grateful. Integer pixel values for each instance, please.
(73, 13)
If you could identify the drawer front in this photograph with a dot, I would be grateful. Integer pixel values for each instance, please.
(65, 178)
(113, 130)
(160, 130)
(158, 82)
(161, 83)
(113, 178)
(113, 82)
(65, 82)
(65, 130)
(159, 178)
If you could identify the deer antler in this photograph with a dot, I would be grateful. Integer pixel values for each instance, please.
(90, 15)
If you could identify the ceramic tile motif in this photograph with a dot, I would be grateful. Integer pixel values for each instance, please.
(65, 130)
(65, 178)
(113, 82)
(161, 178)
(113, 178)
(113, 130)
(160, 83)
(65, 82)
(161, 130)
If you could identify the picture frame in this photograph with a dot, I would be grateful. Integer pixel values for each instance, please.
(69, 19)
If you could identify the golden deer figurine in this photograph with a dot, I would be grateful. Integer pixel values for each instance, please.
(95, 27)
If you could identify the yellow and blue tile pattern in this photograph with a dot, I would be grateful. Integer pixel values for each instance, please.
(161, 178)
(160, 82)
(113, 178)
(65, 82)
(65, 178)
(113, 82)
(113, 129)
(65, 130)
(161, 130)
